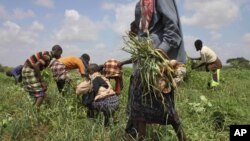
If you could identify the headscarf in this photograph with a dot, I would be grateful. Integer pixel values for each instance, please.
(147, 9)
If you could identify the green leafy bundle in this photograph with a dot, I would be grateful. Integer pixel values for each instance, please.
(152, 63)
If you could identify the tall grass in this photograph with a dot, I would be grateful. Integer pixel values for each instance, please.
(64, 118)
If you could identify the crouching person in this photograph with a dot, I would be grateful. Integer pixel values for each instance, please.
(99, 95)
(112, 69)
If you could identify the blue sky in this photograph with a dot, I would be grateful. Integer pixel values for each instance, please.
(96, 27)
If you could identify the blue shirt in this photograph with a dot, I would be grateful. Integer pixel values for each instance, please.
(17, 71)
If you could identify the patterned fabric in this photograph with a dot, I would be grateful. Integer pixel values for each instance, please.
(111, 69)
(43, 57)
(37, 94)
(59, 70)
(151, 109)
(108, 104)
(147, 9)
(101, 86)
(30, 80)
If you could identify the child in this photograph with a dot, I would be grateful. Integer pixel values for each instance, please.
(61, 66)
(31, 73)
(16, 73)
(104, 98)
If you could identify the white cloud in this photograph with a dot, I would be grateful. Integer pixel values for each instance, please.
(18, 42)
(2, 12)
(100, 46)
(211, 14)
(36, 26)
(246, 38)
(15, 14)
(189, 46)
(12, 34)
(215, 35)
(45, 3)
(22, 14)
(108, 6)
(76, 28)
(72, 15)
(124, 15)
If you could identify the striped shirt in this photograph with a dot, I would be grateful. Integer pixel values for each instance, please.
(43, 57)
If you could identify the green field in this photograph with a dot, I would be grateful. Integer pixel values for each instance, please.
(64, 118)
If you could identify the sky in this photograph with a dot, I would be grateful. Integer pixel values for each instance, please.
(97, 27)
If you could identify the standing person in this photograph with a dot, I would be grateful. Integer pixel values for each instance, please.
(31, 73)
(61, 66)
(157, 20)
(16, 73)
(211, 61)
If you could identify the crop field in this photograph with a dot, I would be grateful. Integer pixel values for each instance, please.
(205, 113)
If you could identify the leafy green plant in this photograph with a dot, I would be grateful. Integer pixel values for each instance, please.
(64, 118)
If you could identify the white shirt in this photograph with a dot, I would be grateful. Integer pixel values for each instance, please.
(207, 55)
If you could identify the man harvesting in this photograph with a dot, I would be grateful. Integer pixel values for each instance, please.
(16, 73)
(210, 60)
(31, 72)
(61, 66)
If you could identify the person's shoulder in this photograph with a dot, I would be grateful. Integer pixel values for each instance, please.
(45, 52)
(69, 58)
(204, 49)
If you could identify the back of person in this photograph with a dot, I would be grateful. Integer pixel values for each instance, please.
(44, 57)
(208, 55)
(30, 80)
(105, 99)
(72, 62)
(112, 70)
(102, 91)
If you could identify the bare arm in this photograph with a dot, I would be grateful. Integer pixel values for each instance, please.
(129, 61)
(198, 58)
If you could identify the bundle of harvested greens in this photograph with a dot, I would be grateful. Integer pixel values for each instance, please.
(154, 66)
